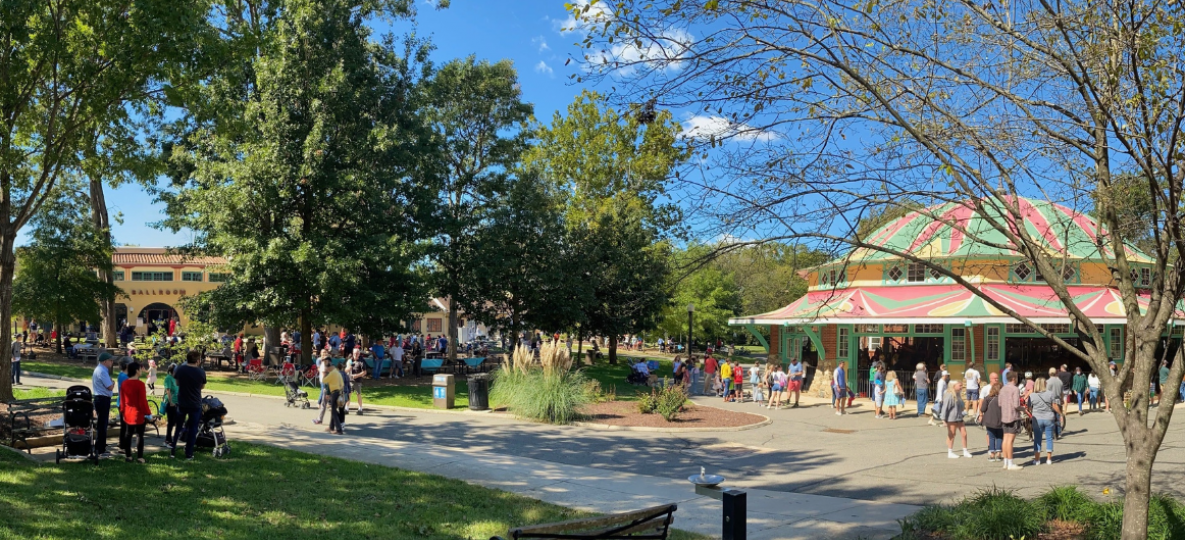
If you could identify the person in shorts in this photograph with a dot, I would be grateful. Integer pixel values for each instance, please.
(357, 373)
(1009, 402)
(971, 380)
(795, 375)
(840, 379)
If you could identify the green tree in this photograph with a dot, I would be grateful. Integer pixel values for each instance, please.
(714, 293)
(526, 273)
(69, 66)
(58, 273)
(315, 180)
(612, 169)
(476, 110)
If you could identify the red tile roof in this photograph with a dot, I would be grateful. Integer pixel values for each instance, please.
(139, 256)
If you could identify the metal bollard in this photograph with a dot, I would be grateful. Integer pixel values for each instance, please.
(734, 520)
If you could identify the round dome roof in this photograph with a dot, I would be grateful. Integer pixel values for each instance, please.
(1059, 229)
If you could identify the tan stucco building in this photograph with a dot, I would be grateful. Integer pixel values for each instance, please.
(155, 280)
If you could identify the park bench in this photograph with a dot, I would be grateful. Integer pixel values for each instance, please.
(651, 523)
(219, 355)
(21, 425)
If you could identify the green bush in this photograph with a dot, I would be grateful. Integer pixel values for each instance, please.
(999, 515)
(555, 397)
(647, 402)
(670, 402)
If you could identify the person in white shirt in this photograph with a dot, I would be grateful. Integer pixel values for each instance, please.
(971, 383)
(1093, 385)
(943, 380)
(396, 353)
(642, 368)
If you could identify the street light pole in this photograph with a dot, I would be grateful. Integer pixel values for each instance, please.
(690, 313)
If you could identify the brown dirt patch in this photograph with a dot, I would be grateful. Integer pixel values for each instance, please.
(625, 413)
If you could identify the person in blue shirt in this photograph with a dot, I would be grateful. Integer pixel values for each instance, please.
(379, 352)
(796, 373)
(442, 344)
(335, 342)
(348, 345)
(841, 389)
(103, 387)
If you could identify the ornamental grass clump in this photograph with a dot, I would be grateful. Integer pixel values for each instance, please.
(547, 390)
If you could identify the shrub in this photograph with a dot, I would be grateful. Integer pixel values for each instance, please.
(647, 402)
(548, 391)
(670, 402)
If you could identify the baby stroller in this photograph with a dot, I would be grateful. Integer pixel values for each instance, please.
(78, 436)
(210, 434)
(295, 395)
(637, 377)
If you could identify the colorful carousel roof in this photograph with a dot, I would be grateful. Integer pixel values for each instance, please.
(944, 304)
(1060, 229)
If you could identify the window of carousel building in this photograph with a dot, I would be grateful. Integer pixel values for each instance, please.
(887, 308)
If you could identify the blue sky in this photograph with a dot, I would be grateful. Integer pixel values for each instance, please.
(524, 31)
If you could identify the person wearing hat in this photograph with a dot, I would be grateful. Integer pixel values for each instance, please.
(103, 387)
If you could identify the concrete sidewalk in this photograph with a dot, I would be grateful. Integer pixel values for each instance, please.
(773, 515)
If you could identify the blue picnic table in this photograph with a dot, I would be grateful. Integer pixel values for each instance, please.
(431, 365)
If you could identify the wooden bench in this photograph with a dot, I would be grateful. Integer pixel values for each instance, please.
(20, 418)
(651, 523)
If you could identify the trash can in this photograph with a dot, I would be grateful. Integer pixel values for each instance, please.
(479, 392)
(443, 391)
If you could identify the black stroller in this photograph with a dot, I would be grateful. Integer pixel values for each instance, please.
(210, 434)
(78, 429)
(295, 395)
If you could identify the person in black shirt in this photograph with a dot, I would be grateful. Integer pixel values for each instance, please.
(191, 379)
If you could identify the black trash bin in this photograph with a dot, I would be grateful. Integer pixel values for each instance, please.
(479, 392)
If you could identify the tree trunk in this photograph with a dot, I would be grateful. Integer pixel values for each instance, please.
(306, 337)
(271, 338)
(452, 331)
(613, 349)
(1138, 491)
(7, 269)
(58, 326)
(102, 222)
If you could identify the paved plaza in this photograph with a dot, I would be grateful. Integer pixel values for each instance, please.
(809, 474)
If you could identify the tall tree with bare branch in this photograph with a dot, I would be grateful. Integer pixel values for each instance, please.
(815, 114)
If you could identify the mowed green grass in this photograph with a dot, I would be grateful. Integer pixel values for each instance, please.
(256, 492)
(400, 396)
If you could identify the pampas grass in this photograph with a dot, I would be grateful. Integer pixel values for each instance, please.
(547, 390)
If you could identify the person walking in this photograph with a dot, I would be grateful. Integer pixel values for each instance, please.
(1093, 384)
(951, 412)
(103, 388)
(756, 384)
(840, 380)
(738, 381)
(1046, 409)
(191, 379)
(893, 394)
(1079, 387)
(380, 353)
(357, 372)
(334, 383)
(134, 412)
(776, 387)
(971, 383)
(989, 418)
(792, 380)
(17, 347)
(1162, 387)
(710, 368)
(323, 366)
(1057, 387)
(943, 382)
(726, 379)
(878, 389)
(921, 387)
(172, 413)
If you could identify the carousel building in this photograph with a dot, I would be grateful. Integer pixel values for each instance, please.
(871, 303)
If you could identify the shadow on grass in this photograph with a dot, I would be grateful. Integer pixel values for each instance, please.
(257, 492)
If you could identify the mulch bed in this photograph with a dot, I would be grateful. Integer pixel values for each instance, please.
(625, 413)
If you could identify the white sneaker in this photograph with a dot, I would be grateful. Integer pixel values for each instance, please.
(1014, 467)
(966, 454)
(1049, 462)
(951, 455)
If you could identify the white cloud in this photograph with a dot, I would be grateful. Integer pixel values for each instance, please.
(706, 127)
(542, 67)
(666, 50)
(541, 43)
(599, 12)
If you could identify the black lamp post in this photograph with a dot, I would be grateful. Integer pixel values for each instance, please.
(690, 314)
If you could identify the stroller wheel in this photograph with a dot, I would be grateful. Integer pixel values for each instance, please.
(57, 456)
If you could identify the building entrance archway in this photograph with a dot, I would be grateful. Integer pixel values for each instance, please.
(156, 314)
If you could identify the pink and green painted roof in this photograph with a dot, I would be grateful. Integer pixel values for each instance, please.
(945, 304)
(956, 227)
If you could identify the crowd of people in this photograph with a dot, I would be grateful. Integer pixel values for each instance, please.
(181, 403)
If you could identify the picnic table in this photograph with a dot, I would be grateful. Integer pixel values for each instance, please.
(474, 364)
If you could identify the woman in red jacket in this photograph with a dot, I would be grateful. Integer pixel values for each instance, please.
(134, 411)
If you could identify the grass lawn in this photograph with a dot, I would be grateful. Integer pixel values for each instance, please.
(258, 492)
(31, 393)
(403, 396)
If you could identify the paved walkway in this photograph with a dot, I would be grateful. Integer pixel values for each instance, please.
(574, 467)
